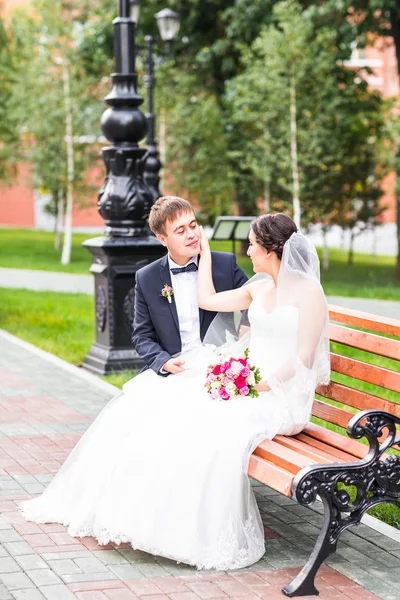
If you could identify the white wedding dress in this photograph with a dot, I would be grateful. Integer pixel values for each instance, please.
(164, 467)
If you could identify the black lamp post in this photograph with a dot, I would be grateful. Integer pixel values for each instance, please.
(124, 202)
(168, 23)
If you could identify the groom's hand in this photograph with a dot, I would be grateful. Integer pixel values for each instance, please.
(174, 366)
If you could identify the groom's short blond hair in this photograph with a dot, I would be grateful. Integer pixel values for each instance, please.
(167, 208)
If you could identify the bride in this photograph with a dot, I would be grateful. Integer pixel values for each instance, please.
(164, 466)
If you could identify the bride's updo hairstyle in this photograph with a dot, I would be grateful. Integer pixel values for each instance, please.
(273, 231)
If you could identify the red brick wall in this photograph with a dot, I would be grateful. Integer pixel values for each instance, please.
(85, 213)
(17, 201)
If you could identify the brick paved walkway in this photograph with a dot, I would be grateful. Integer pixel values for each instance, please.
(46, 405)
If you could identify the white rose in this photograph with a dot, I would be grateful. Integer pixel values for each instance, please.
(251, 379)
(230, 386)
(215, 385)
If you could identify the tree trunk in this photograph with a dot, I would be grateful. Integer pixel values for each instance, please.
(342, 238)
(293, 150)
(374, 245)
(246, 199)
(350, 260)
(59, 220)
(325, 252)
(66, 251)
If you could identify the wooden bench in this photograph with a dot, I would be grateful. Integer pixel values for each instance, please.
(319, 462)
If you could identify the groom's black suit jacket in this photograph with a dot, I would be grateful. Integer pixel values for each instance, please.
(156, 334)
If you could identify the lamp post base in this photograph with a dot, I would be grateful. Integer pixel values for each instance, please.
(103, 360)
(115, 262)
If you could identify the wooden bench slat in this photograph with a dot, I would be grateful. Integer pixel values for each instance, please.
(271, 475)
(338, 455)
(332, 414)
(366, 372)
(368, 342)
(366, 320)
(320, 453)
(337, 440)
(357, 399)
(282, 457)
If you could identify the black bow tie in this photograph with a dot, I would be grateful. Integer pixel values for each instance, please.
(190, 268)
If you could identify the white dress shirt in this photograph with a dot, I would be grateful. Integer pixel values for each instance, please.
(187, 305)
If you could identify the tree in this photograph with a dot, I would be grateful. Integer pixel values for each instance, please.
(54, 98)
(196, 152)
(291, 69)
(8, 126)
(363, 21)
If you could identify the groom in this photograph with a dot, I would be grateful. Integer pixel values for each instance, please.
(167, 317)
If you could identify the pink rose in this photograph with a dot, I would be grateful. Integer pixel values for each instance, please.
(243, 361)
(236, 367)
(229, 373)
(225, 380)
(245, 372)
(211, 377)
(223, 393)
(225, 366)
(244, 391)
(217, 370)
(240, 382)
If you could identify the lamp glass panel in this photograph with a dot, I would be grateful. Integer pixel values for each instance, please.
(223, 230)
(242, 230)
(168, 27)
(135, 11)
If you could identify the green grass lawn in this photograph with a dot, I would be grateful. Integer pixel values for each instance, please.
(62, 324)
(28, 249)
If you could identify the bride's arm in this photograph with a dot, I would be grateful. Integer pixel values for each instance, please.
(209, 299)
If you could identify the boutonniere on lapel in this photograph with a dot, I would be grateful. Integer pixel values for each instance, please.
(167, 292)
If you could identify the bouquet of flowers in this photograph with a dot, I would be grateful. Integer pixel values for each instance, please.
(232, 377)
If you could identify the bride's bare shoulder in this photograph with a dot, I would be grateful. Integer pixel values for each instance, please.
(261, 287)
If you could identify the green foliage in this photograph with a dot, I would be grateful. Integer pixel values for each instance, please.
(8, 125)
(339, 122)
(45, 42)
(196, 146)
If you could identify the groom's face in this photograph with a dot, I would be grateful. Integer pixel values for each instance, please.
(182, 237)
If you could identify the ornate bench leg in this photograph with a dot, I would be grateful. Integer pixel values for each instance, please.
(373, 480)
(303, 584)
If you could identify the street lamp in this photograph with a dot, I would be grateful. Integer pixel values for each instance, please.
(124, 201)
(168, 23)
(134, 10)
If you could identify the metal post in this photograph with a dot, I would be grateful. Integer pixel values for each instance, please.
(124, 202)
(153, 163)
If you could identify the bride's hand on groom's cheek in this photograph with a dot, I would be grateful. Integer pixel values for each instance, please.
(174, 366)
(204, 243)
